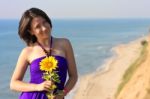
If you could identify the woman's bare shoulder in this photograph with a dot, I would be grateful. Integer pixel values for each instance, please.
(63, 41)
(26, 51)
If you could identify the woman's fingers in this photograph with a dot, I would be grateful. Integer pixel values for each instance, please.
(47, 85)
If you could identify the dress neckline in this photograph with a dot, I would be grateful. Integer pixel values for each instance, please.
(41, 57)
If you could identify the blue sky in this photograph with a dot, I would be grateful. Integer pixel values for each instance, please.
(67, 9)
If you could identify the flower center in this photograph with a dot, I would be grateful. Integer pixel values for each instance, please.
(49, 64)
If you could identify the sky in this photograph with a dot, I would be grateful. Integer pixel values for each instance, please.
(78, 9)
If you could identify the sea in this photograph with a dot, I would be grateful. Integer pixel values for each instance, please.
(92, 41)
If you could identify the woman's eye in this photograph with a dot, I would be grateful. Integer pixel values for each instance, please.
(38, 26)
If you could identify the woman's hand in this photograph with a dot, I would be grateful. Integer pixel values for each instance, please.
(44, 86)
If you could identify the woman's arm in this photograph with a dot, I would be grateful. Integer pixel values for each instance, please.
(16, 81)
(72, 70)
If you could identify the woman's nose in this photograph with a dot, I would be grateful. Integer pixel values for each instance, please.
(43, 28)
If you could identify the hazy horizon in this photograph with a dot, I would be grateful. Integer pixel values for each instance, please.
(77, 9)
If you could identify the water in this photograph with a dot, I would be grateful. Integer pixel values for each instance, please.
(92, 41)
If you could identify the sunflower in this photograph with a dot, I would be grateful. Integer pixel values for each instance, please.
(48, 64)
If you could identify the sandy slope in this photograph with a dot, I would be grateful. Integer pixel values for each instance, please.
(139, 84)
(103, 84)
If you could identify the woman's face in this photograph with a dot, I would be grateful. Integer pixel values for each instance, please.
(40, 28)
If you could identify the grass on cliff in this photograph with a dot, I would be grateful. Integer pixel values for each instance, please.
(132, 68)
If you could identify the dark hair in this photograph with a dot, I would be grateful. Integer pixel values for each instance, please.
(25, 24)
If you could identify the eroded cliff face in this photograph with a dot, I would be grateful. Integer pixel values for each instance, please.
(138, 87)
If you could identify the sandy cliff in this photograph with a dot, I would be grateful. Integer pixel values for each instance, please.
(138, 86)
(103, 84)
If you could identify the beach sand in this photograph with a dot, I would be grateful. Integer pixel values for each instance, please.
(102, 84)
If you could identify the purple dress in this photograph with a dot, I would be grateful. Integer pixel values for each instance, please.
(36, 77)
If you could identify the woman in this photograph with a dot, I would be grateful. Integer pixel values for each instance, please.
(48, 58)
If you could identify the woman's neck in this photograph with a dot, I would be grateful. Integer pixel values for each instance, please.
(45, 42)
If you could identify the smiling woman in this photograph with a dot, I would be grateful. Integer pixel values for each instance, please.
(42, 52)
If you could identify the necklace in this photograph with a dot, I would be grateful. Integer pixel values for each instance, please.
(47, 52)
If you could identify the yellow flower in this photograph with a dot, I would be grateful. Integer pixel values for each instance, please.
(48, 64)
